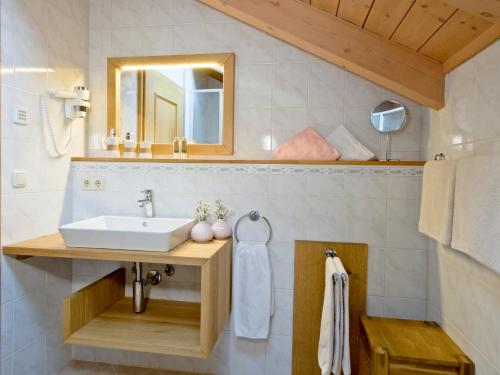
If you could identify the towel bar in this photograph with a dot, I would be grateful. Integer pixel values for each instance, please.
(331, 253)
(254, 216)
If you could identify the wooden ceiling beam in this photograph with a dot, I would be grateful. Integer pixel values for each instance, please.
(487, 9)
(370, 56)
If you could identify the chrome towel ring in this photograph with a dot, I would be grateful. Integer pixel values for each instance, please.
(254, 216)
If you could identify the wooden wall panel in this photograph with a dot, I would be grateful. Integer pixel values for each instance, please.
(309, 287)
(329, 6)
(460, 30)
(354, 11)
(422, 21)
(386, 15)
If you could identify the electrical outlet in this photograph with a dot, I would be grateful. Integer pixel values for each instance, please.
(87, 183)
(99, 184)
(93, 184)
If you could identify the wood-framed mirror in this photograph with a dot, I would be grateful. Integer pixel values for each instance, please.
(158, 98)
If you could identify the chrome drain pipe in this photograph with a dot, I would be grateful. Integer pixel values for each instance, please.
(138, 289)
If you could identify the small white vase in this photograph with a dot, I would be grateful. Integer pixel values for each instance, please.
(202, 232)
(221, 229)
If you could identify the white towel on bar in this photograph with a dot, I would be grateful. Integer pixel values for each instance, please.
(253, 300)
(346, 350)
(438, 192)
(329, 331)
(476, 219)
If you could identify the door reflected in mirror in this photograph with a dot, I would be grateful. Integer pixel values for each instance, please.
(173, 102)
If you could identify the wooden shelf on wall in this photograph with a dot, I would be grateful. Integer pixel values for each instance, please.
(244, 161)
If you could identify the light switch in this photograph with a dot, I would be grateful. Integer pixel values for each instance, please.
(21, 115)
(19, 178)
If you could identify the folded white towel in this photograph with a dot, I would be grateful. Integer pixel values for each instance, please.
(329, 327)
(476, 219)
(348, 145)
(438, 194)
(253, 300)
(346, 350)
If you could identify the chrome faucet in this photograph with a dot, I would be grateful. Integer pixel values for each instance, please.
(147, 202)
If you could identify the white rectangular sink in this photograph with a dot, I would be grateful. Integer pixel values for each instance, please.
(128, 233)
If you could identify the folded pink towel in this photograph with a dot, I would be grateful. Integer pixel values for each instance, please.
(306, 145)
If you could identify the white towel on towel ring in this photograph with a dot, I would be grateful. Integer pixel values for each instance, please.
(253, 300)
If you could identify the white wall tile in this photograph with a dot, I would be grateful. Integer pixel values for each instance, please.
(375, 306)
(406, 273)
(279, 355)
(254, 87)
(290, 85)
(376, 272)
(7, 329)
(282, 258)
(404, 308)
(281, 323)
(366, 221)
(30, 359)
(402, 225)
(247, 357)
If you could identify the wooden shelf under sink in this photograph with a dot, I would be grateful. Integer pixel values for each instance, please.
(100, 315)
(166, 327)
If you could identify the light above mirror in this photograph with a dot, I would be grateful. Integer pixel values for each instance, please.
(157, 99)
(170, 66)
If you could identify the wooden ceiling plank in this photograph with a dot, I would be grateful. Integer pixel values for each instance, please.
(329, 6)
(363, 53)
(354, 11)
(422, 21)
(481, 42)
(457, 32)
(386, 15)
(487, 9)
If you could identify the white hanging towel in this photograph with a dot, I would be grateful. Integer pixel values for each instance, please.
(329, 333)
(252, 291)
(346, 350)
(476, 218)
(438, 194)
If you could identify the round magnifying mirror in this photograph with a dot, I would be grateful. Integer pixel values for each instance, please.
(388, 117)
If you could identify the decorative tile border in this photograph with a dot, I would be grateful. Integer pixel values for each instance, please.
(248, 169)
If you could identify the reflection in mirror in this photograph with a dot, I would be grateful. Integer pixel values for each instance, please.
(388, 117)
(164, 102)
(160, 98)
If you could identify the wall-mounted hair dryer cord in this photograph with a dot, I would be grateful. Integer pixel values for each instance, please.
(48, 123)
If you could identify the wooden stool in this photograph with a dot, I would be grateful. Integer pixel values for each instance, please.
(409, 347)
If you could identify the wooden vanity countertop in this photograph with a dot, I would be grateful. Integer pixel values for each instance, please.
(188, 253)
